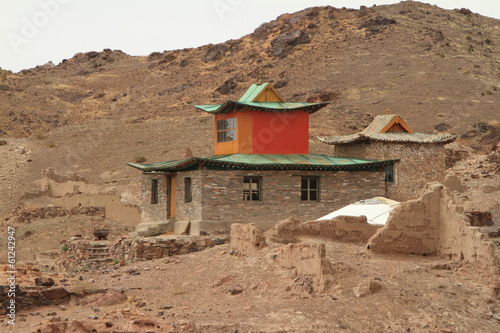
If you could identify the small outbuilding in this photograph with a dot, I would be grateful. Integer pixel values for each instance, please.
(421, 157)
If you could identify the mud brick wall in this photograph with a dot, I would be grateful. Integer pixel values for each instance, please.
(341, 228)
(418, 165)
(246, 238)
(310, 260)
(222, 194)
(434, 224)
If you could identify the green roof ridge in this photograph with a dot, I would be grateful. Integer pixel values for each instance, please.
(253, 91)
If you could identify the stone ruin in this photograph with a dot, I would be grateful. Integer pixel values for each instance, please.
(430, 225)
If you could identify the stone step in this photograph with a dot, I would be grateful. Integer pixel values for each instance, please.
(100, 250)
(98, 261)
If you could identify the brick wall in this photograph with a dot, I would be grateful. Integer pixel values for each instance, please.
(218, 196)
(223, 194)
(154, 212)
(419, 164)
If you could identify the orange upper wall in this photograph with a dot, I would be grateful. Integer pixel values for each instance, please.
(266, 133)
(280, 133)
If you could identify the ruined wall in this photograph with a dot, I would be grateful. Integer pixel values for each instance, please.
(56, 185)
(412, 227)
(223, 204)
(418, 165)
(246, 238)
(433, 224)
(341, 228)
(114, 208)
(310, 260)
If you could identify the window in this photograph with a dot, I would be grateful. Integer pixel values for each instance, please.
(309, 189)
(252, 188)
(389, 174)
(188, 195)
(154, 191)
(226, 130)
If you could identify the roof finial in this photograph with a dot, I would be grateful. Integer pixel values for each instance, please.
(388, 111)
(260, 80)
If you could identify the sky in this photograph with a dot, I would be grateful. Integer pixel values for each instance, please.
(34, 32)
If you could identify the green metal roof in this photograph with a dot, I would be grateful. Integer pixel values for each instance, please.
(261, 106)
(265, 162)
(253, 92)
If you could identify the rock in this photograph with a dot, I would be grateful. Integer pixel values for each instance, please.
(215, 52)
(3, 142)
(280, 84)
(236, 290)
(54, 293)
(144, 322)
(44, 281)
(367, 288)
(166, 307)
(140, 304)
(284, 43)
(376, 21)
(104, 299)
(227, 87)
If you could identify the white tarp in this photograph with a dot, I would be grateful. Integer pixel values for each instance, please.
(376, 210)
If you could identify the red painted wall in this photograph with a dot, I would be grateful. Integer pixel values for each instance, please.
(280, 133)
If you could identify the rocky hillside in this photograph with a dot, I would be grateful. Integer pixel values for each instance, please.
(90, 114)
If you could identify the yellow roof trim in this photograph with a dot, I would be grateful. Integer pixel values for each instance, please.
(397, 120)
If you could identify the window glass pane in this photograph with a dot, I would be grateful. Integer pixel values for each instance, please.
(313, 195)
(304, 183)
(313, 183)
(188, 197)
(389, 174)
(154, 191)
(255, 195)
(303, 195)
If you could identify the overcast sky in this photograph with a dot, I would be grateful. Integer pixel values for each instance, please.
(33, 32)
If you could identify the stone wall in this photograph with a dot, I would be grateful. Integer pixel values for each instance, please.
(154, 212)
(341, 228)
(28, 214)
(434, 224)
(418, 165)
(84, 254)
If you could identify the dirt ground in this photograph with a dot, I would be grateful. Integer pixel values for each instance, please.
(215, 291)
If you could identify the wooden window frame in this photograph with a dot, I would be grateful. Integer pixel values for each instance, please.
(248, 193)
(226, 129)
(308, 190)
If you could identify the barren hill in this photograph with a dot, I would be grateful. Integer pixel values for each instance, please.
(437, 68)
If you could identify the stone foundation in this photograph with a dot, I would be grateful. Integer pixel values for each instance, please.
(85, 254)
